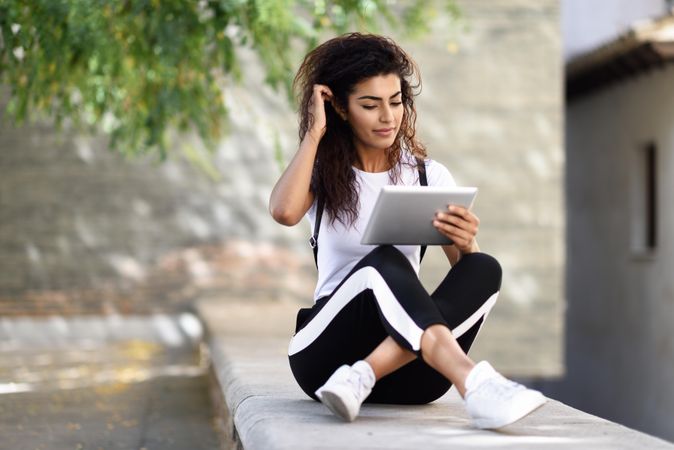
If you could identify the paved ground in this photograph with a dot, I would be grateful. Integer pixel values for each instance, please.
(162, 413)
(104, 383)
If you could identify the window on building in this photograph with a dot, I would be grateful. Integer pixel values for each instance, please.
(645, 201)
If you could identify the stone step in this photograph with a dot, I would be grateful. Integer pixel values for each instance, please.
(261, 406)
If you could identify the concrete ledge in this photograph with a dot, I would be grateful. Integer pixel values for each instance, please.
(263, 408)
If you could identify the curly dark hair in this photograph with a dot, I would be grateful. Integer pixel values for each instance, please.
(341, 63)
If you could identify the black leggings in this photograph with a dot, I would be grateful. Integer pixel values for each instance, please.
(380, 297)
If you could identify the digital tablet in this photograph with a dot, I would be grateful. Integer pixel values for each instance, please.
(404, 215)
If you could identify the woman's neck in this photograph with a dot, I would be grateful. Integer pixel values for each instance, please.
(372, 161)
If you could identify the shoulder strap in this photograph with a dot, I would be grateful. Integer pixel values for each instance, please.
(423, 181)
(313, 240)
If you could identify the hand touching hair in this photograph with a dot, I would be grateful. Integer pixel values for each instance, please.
(340, 64)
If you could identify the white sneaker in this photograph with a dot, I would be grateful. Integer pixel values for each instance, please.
(346, 389)
(493, 401)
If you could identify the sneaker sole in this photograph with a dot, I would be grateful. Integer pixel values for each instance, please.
(525, 410)
(336, 405)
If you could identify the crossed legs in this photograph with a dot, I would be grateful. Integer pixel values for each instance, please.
(381, 312)
(464, 298)
(439, 349)
(415, 344)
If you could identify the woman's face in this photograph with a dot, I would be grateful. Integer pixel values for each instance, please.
(375, 111)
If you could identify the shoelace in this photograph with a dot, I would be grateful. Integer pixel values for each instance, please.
(355, 379)
(500, 387)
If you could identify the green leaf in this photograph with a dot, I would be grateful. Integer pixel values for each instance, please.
(139, 69)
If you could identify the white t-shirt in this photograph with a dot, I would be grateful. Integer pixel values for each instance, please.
(339, 247)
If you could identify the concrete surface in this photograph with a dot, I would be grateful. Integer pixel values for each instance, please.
(163, 413)
(265, 409)
(103, 383)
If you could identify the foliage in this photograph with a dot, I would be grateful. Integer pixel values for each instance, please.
(139, 68)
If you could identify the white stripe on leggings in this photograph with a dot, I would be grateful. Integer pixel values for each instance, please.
(472, 320)
(395, 314)
(365, 278)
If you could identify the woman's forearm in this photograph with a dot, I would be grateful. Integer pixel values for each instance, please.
(454, 254)
(291, 198)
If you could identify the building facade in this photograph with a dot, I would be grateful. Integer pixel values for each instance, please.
(620, 214)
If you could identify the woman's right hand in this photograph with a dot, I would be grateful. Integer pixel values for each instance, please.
(291, 197)
(317, 111)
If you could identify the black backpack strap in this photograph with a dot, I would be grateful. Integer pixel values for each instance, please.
(313, 240)
(421, 166)
(423, 181)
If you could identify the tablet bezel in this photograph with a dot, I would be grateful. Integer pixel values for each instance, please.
(403, 215)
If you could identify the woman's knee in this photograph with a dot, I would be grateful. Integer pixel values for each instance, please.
(434, 333)
(487, 266)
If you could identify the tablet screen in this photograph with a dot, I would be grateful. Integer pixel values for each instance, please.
(403, 215)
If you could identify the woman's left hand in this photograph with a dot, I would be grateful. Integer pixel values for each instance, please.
(460, 225)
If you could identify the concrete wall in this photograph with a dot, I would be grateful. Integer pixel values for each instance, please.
(75, 218)
(620, 318)
(492, 112)
(83, 230)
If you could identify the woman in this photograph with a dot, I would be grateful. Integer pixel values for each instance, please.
(374, 333)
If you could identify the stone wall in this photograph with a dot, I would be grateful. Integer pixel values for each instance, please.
(82, 230)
